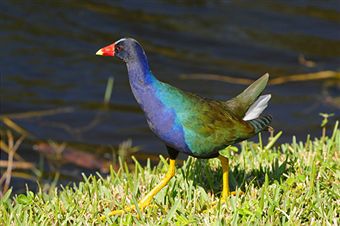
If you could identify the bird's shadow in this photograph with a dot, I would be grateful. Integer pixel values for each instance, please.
(210, 178)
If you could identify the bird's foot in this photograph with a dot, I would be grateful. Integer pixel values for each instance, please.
(237, 193)
(223, 200)
(125, 210)
(117, 212)
(226, 195)
(128, 209)
(233, 193)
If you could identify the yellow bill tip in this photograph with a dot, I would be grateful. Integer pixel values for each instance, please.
(99, 52)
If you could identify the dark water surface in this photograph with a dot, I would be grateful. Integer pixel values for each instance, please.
(48, 60)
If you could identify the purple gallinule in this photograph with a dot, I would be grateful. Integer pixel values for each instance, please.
(186, 122)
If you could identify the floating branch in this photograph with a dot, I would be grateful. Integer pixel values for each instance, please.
(31, 114)
(305, 77)
(11, 124)
(72, 155)
(274, 81)
(215, 77)
(17, 164)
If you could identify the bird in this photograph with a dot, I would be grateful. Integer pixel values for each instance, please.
(186, 122)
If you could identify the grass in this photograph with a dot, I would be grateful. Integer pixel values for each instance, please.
(290, 184)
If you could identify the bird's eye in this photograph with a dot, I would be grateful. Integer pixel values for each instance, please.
(119, 48)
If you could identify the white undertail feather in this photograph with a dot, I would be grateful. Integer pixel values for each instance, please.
(257, 107)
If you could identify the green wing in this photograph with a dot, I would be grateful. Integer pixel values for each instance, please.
(209, 127)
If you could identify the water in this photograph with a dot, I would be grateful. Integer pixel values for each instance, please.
(48, 61)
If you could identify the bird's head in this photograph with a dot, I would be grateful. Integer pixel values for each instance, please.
(126, 49)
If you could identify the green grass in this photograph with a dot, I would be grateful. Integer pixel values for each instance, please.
(291, 184)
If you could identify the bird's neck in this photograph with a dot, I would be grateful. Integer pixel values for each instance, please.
(139, 73)
(139, 70)
(142, 81)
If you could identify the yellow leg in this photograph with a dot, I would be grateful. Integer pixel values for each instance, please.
(148, 198)
(225, 168)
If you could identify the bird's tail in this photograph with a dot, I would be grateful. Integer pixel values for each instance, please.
(243, 102)
(261, 123)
